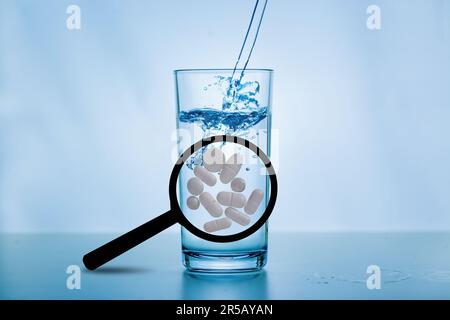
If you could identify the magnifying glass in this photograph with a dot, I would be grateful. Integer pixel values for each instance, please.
(217, 179)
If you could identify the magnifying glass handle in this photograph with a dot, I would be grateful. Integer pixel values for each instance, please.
(129, 240)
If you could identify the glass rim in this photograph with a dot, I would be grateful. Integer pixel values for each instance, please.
(211, 70)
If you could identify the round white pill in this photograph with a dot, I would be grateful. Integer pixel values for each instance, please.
(195, 186)
(254, 201)
(231, 199)
(237, 216)
(217, 225)
(231, 168)
(193, 203)
(238, 185)
(204, 175)
(210, 204)
(213, 160)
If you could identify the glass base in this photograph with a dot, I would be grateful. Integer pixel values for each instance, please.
(195, 261)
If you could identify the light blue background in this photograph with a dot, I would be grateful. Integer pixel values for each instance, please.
(86, 117)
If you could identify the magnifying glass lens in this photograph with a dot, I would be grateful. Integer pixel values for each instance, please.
(223, 188)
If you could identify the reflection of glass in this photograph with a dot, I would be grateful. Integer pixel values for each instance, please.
(207, 105)
(251, 286)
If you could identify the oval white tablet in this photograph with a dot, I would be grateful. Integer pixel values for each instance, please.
(195, 186)
(204, 175)
(231, 199)
(231, 168)
(237, 216)
(210, 204)
(254, 201)
(238, 185)
(193, 203)
(213, 160)
(217, 225)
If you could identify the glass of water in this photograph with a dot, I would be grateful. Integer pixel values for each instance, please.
(210, 103)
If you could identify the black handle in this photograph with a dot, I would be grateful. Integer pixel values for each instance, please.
(129, 240)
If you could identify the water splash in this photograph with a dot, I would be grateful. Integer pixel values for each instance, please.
(240, 108)
(216, 121)
(438, 276)
(389, 276)
(237, 113)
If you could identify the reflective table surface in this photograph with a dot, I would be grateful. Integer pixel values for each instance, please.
(301, 266)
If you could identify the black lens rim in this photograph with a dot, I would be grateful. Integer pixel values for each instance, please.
(175, 207)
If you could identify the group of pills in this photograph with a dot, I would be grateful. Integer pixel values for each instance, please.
(214, 162)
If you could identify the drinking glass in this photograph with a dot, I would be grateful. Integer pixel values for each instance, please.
(203, 109)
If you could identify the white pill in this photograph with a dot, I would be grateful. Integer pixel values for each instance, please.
(254, 201)
(210, 204)
(217, 225)
(193, 203)
(237, 216)
(213, 160)
(231, 199)
(195, 186)
(204, 175)
(238, 185)
(231, 168)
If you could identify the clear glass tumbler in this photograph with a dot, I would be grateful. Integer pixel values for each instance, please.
(206, 106)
